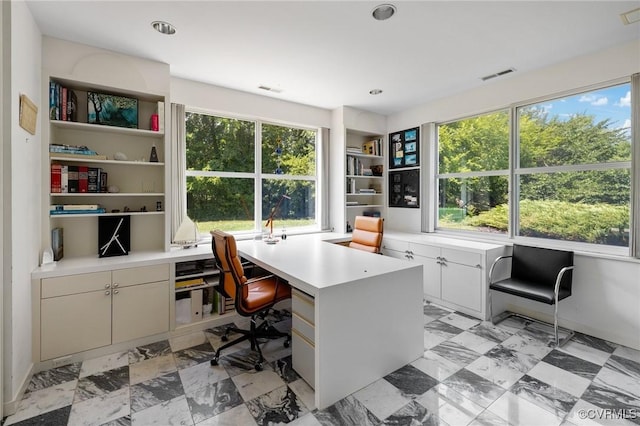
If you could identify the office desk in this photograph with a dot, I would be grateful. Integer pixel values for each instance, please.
(368, 312)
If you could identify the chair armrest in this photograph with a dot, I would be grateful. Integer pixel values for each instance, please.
(260, 278)
(493, 265)
(559, 278)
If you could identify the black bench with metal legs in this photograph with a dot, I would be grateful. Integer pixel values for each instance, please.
(543, 275)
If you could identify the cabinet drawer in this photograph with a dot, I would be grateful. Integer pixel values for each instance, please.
(392, 244)
(424, 250)
(141, 275)
(307, 330)
(74, 284)
(304, 358)
(462, 257)
(303, 305)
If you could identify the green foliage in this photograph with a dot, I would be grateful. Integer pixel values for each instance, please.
(560, 220)
(228, 145)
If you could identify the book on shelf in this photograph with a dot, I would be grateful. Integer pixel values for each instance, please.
(73, 179)
(72, 106)
(367, 191)
(92, 180)
(352, 203)
(56, 178)
(353, 150)
(63, 104)
(64, 179)
(72, 155)
(102, 177)
(90, 211)
(190, 283)
(74, 207)
(83, 179)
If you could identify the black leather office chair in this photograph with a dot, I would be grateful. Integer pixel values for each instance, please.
(543, 275)
(252, 297)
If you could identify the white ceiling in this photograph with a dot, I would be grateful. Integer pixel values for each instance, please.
(331, 53)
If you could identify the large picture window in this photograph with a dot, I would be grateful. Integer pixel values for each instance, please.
(238, 170)
(569, 178)
(574, 171)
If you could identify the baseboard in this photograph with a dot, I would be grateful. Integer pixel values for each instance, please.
(10, 407)
(608, 335)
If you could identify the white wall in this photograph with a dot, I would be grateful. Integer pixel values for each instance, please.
(233, 102)
(606, 297)
(26, 149)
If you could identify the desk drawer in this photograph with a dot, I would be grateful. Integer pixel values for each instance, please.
(397, 245)
(462, 257)
(307, 330)
(303, 305)
(141, 275)
(304, 358)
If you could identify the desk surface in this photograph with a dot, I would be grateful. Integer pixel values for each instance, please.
(313, 260)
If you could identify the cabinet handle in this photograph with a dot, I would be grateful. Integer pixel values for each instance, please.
(115, 285)
(116, 291)
(107, 292)
(479, 266)
(107, 286)
(443, 259)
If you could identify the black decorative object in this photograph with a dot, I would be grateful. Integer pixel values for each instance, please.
(114, 235)
(404, 188)
(404, 148)
(153, 158)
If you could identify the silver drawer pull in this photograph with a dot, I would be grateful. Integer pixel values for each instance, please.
(115, 285)
(116, 291)
(107, 286)
(107, 292)
(479, 266)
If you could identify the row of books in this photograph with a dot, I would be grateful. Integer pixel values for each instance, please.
(372, 147)
(63, 103)
(77, 179)
(356, 167)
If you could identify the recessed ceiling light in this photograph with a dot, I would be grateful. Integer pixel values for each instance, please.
(631, 16)
(375, 91)
(163, 27)
(383, 11)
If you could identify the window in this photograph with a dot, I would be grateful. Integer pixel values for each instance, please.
(473, 173)
(574, 171)
(237, 171)
(570, 175)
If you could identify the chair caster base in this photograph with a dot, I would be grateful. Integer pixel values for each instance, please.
(214, 361)
(258, 366)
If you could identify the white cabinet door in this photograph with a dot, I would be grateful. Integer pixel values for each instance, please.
(140, 310)
(431, 276)
(75, 323)
(462, 285)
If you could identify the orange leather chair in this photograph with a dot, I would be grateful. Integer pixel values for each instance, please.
(252, 297)
(367, 234)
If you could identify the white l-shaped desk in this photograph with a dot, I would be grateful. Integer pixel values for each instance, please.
(368, 312)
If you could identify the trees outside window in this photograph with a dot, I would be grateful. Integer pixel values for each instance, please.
(237, 170)
(571, 170)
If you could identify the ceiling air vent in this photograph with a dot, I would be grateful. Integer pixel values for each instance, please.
(270, 89)
(498, 74)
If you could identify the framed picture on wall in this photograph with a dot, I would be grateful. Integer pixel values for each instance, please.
(404, 188)
(404, 148)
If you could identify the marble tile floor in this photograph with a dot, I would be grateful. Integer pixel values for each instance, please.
(472, 373)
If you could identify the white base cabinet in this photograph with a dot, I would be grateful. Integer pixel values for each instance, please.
(455, 272)
(86, 311)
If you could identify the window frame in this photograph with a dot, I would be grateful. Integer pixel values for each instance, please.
(515, 171)
(257, 175)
